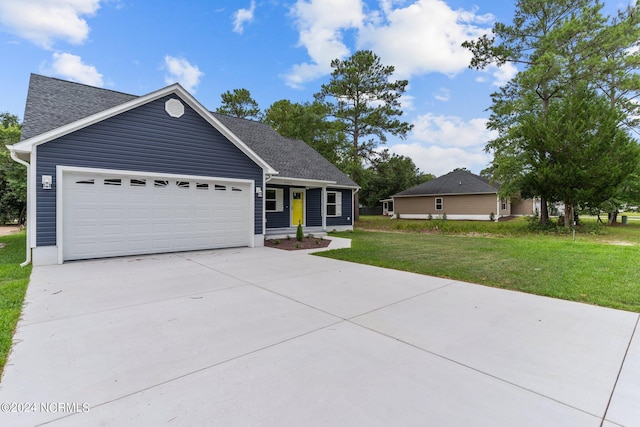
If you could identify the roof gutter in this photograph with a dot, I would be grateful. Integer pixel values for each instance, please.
(15, 158)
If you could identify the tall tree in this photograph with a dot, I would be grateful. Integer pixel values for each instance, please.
(561, 44)
(239, 103)
(588, 153)
(13, 176)
(309, 123)
(363, 97)
(618, 71)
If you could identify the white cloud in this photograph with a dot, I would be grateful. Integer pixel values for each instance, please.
(321, 24)
(72, 68)
(243, 16)
(451, 131)
(443, 143)
(424, 37)
(43, 21)
(417, 37)
(503, 74)
(181, 71)
(440, 160)
(443, 94)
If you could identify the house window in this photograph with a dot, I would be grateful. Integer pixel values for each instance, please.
(504, 204)
(334, 203)
(274, 199)
(439, 204)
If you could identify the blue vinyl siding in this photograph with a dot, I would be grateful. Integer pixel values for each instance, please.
(347, 209)
(314, 207)
(144, 139)
(280, 219)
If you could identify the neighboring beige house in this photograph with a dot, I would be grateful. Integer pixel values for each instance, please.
(458, 195)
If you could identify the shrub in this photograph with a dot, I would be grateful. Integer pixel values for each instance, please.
(276, 242)
(444, 216)
(430, 217)
(299, 233)
(492, 216)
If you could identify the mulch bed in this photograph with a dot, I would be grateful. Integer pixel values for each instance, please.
(292, 244)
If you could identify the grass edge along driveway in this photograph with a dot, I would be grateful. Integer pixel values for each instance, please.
(13, 286)
(588, 271)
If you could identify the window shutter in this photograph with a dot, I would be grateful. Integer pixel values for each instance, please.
(279, 199)
(338, 203)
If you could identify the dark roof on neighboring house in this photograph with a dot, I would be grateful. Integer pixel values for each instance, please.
(456, 182)
(52, 103)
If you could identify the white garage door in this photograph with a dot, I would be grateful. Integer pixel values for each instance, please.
(108, 215)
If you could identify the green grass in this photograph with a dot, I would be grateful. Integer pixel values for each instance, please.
(13, 286)
(599, 267)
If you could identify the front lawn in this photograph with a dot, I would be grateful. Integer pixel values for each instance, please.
(599, 266)
(13, 285)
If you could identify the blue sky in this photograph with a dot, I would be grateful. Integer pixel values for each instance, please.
(275, 49)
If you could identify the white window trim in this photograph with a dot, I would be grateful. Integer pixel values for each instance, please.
(338, 203)
(279, 199)
(441, 203)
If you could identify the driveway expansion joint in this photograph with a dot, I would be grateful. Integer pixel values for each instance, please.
(624, 358)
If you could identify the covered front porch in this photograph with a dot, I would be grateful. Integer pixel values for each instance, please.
(284, 232)
(318, 206)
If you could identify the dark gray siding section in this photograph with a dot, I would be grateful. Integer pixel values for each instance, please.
(280, 219)
(314, 207)
(144, 139)
(347, 209)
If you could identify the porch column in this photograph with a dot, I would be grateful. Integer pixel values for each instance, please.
(323, 206)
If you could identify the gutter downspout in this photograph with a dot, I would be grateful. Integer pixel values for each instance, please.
(22, 162)
(353, 210)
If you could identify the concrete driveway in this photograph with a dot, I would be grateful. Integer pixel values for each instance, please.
(267, 337)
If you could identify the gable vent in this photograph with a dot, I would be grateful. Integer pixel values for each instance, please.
(174, 108)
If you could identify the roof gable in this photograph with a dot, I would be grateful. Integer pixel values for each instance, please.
(57, 107)
(456, 182)
(47, 114)
(53, 103)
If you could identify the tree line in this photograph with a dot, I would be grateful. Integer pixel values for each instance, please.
(13, 176)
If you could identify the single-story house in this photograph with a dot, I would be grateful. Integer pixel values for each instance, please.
(113, 174)
(458, 195)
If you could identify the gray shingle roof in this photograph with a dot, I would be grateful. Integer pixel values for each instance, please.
(52, 103)
(292, 158)
(456, 182)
